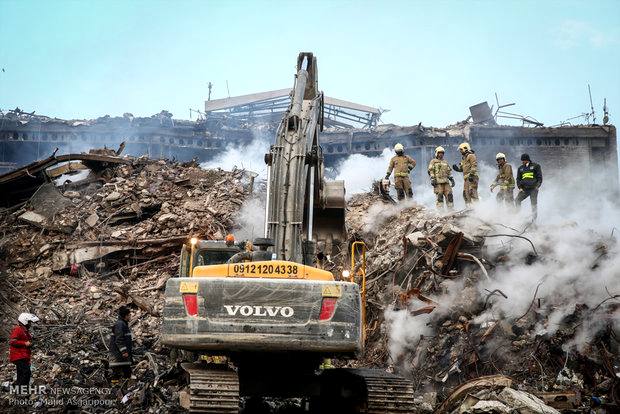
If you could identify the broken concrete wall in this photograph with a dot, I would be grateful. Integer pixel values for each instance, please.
(28, 138)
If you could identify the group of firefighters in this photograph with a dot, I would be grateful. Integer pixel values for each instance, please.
(528, 181)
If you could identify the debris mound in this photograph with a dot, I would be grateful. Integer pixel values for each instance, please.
(94, 232)
(439, 292)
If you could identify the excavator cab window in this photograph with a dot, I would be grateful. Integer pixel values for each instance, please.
(212, 257)
(184, 262)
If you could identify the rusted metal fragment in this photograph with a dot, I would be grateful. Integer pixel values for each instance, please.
(471, 387)
(449, 257)
(562, 400)
(404, 299)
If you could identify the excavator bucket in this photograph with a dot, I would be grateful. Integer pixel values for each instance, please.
(329, 228)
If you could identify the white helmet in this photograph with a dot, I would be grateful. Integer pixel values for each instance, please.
(26, 318)
(500, 155)
(399, 147)
(464, 147)
(439, 149)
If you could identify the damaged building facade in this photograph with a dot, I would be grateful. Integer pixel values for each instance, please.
(349, 128)
(446, 300)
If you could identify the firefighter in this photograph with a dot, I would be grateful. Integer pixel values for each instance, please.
(505, 180)
(469, 167)
(121, 346)
(441, 179)
(529, 180)
(402, 165)
(20, 347)
(230, 240)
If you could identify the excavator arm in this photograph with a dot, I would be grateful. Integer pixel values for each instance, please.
(304, 212)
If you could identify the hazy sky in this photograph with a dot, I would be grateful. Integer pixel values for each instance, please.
(424, 61)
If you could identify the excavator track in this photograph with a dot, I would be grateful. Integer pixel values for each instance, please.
(368, 391)
(387, 393)
(212, 389)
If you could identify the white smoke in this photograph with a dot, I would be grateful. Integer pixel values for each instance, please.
(250, 220)
(250, 157)
(407, 330)
(578, 260)
(360, 171)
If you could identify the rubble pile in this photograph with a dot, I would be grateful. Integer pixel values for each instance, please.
(77, 250)
(431, 314)
(404, 257)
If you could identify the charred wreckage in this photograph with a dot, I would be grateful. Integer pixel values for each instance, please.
(402, 309)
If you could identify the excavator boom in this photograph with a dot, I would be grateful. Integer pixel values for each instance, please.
(305, 213)
(237, 305)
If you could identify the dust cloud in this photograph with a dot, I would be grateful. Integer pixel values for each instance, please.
(249, 157)
(578, 260)
(576, 219)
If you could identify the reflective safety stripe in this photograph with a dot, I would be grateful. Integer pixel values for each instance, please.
(401, 175)
(529, 174)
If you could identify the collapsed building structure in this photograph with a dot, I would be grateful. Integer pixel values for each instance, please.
(73, 252)
(105, 229)
(350, 128)
(85, 233)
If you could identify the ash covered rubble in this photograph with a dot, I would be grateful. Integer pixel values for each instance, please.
(90, 236)
(96, 231)
(485, 318)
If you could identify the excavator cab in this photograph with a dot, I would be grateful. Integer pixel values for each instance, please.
(203, 253)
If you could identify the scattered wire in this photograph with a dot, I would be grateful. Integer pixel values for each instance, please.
(493, 292)
(611, 297)
(514, 235)
(531, 304)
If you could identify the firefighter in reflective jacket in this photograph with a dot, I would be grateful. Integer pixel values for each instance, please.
(121, 346)
(441, 179)
(402, 165)
(505, 180)
(469, 167)
(529, 180)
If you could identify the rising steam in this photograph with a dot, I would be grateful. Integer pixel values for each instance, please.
(578, 263)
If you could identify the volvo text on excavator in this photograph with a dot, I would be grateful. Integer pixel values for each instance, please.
(269, 308)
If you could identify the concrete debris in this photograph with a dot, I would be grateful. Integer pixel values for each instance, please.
(102, 244)
(75, 260)
(113, 196)
(92, 220)
(495, 407)
(525, 403)
(43, 272)
(431, 266)
(33, 218)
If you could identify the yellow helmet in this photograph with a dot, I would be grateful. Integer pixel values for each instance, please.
(439, 149)
(399, 147)
(464, 147)
(500, 155)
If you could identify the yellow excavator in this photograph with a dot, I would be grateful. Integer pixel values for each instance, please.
(270, 309)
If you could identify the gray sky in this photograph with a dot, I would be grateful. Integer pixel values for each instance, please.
(424, 61)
